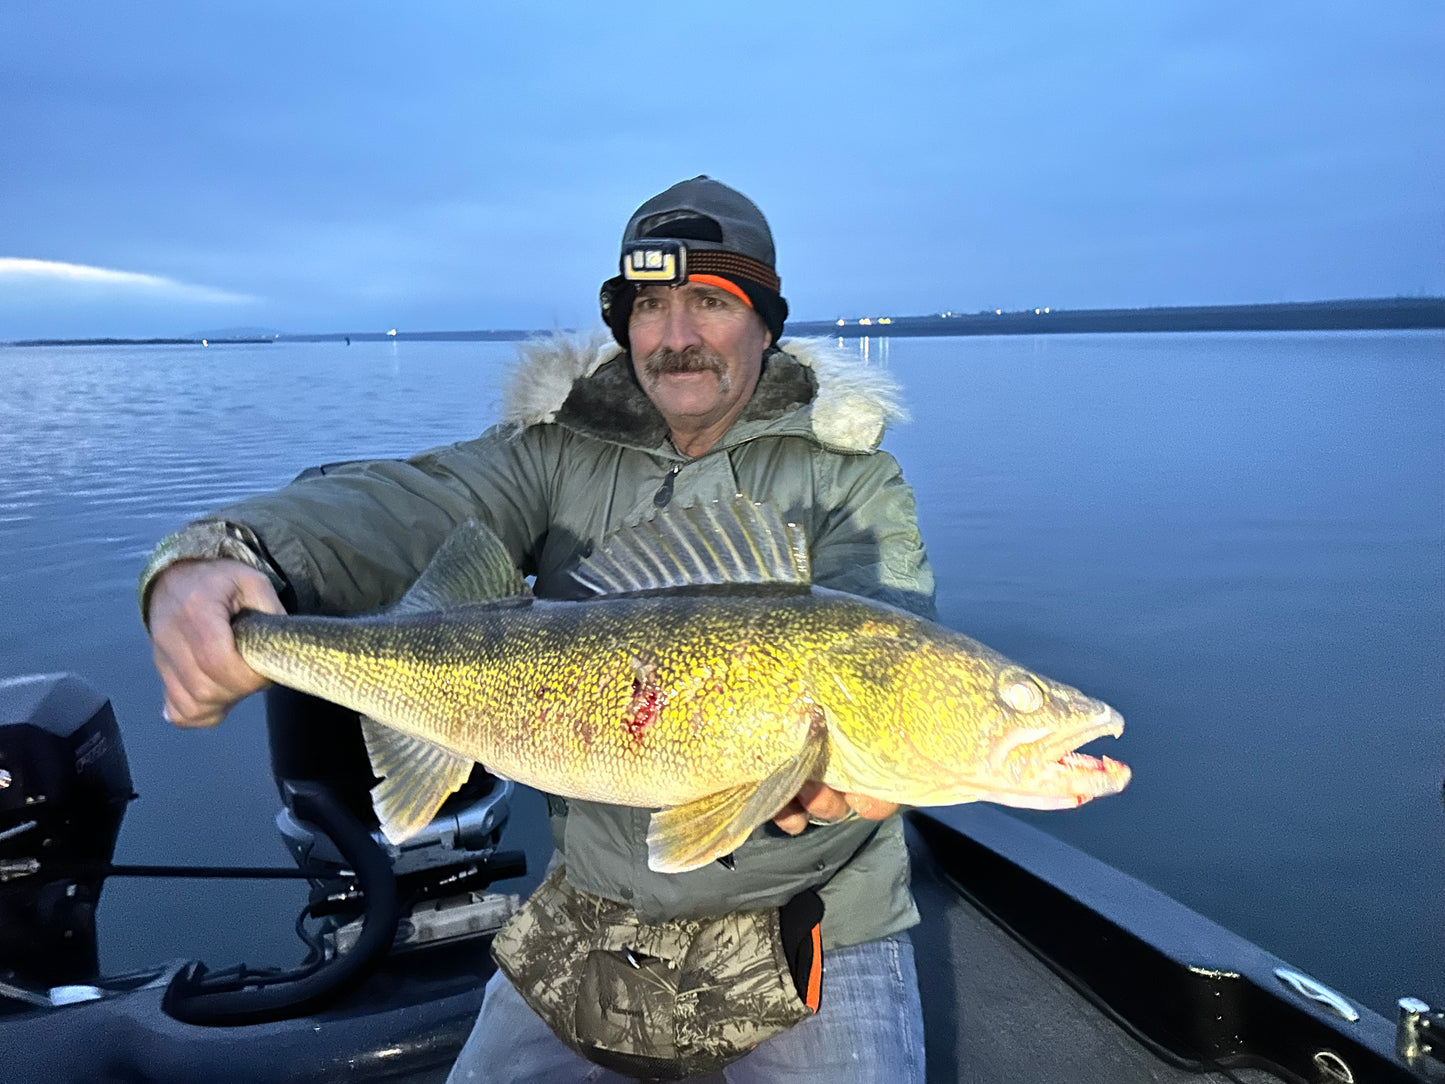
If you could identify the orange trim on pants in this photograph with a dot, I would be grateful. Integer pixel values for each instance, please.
(815, 973)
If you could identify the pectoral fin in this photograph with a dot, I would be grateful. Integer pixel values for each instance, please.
(687, 837)
(416, 778)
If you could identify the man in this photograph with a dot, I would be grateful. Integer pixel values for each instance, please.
(699, 405)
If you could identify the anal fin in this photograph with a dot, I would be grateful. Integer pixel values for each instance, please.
(687, 837)
(417, 776)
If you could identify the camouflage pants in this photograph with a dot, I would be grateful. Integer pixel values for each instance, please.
(869, 1030)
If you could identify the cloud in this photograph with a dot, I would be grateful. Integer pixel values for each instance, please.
(17, 270)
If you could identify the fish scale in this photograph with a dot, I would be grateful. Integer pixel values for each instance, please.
(710, 703)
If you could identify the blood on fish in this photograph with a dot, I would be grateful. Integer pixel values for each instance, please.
(643, 709)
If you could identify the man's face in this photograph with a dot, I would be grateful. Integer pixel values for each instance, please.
(698, 351)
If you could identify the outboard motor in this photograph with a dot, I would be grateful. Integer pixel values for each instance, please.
(64, 785)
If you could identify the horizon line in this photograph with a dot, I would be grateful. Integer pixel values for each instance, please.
(1428, 312)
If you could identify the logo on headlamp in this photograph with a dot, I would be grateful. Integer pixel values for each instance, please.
(655, 261)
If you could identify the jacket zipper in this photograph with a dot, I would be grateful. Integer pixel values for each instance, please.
(664, 493)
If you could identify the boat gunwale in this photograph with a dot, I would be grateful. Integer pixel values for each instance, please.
(1196, 993)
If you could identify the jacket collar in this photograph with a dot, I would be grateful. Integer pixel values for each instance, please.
(808, 388)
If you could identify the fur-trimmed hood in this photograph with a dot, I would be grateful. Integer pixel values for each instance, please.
(585, 382)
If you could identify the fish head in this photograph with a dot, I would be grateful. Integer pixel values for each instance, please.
(939, 720)
(1033, 735)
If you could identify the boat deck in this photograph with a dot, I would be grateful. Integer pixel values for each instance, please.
(994, 1012)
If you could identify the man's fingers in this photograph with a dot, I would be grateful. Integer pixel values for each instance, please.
(256, 593)
(222, 671)
(191, 698)
(192, 604)
(873, 809)
(198, 721)
(200, 672)
(792, 818)
(818, 803)
(822, 802)
(181, 710)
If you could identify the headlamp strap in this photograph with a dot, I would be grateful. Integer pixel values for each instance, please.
(670, 263)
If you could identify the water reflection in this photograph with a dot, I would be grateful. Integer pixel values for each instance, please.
(869, 347)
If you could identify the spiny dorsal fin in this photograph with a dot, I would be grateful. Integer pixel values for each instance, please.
(416, 778)
(710, 544)
(472, 565)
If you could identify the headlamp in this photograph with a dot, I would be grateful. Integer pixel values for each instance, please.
(655, 261)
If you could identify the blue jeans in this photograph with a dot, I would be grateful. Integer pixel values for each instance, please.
(868, 1030)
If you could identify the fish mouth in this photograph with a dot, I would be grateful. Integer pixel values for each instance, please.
(1045, 770)
(1057, 744)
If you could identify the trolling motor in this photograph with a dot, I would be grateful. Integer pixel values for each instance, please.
(372, 897)
(440, 872)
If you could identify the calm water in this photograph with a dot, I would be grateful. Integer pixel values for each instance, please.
(1239, 540)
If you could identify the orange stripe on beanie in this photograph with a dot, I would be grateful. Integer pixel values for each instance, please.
(722, 284)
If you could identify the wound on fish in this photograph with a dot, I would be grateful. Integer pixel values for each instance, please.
(646, 703)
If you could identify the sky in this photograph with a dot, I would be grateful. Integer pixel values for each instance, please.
(172, 167)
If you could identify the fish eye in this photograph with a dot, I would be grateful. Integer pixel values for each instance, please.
(1022, 694)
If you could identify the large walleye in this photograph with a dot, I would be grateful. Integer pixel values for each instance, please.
(707, 677)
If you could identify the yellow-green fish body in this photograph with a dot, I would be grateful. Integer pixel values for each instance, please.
(638, 701)
(715, 703)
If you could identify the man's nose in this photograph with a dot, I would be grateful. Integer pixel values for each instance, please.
(681, 329)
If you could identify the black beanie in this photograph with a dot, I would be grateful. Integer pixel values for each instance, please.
(725, 235)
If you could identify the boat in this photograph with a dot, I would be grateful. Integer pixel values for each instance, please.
(1037, 961)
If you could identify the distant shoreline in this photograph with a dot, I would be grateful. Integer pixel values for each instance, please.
(1366, 314)
(137, 342)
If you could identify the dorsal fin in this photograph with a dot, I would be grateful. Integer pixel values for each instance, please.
(472, 565)
(709, 544)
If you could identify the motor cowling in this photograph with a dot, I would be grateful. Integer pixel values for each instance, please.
(64, 785)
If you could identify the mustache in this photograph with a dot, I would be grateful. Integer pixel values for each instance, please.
(691, 359)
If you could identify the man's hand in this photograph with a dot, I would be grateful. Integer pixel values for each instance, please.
(826, 804)
(191, 606)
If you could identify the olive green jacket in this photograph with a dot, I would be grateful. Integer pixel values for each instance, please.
(582, 451)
